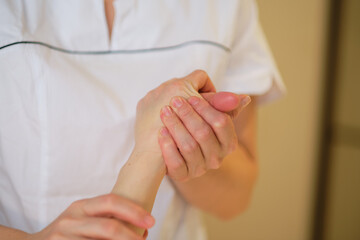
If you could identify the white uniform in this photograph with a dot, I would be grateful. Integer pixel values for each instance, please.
(68, 94)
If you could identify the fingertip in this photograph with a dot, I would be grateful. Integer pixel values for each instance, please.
(149, 221)
(164, 132)
(166, 111)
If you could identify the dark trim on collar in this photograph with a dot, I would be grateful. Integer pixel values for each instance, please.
(227, 49)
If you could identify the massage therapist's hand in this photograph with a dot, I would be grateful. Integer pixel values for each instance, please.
(198, 133)
(148, 122)
(102, 217)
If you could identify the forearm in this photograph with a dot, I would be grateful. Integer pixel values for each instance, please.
(140, 178)
(13, 234)
(224, 192)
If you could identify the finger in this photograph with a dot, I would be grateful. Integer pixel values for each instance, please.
(220, 122)
(175, 163)
(104, 228)
(120, 208)
(200, 131)
(200, 80)
(228, 102)
(187, 145)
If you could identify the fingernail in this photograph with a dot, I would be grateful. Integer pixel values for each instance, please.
(177, 102)
(166, 111)
(164, 132)
(149, 220)
(246, 101)
(194, 100)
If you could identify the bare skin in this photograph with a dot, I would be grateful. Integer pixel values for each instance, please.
(226, 191)
(102, 217)
(238, 171)
(109, 14)
(221, 185)
(124, 214)
(140, 178)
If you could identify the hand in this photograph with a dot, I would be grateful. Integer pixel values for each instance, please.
(198, 134)
(103, 217)
(148, 122)
(140, 177)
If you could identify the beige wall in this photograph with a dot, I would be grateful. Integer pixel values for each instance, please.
(288, 129)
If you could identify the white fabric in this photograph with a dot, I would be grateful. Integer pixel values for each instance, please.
(66, 119)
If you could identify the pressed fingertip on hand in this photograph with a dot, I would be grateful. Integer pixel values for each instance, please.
(164, 132)
(194, 100)
(166, 111)
(245, 101)
(177, 102)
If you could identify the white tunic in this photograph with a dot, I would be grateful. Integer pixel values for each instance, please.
(68, 94)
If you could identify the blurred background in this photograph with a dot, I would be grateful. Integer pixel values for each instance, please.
(309, 142)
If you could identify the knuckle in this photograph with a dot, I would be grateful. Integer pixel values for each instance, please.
(76, 204)
(178, 170)
(203, 133)
(200, 171)
(154, 93)
(166, 143)
(215, 162)
(110, 228)
(137, 211)
(180, 87)
(189, 147)
(171, 81)
(200, 73)
(177, 84)
(221, 121)
(64, 223)
(109, 200)
(178, 165)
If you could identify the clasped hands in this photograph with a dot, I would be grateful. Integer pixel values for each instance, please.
(193, 133)
(196, 130)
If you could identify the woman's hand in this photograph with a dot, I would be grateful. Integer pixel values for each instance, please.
(140, 177)
(198, 134)
(148, 121)
(103, 217)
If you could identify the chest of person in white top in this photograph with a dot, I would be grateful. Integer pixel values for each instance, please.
(70, 94)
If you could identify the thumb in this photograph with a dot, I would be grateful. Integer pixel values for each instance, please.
(228, 102)
(200, 81)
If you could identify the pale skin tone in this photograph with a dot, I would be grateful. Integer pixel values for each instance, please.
(232, 183)
(238, 171)
(195, 169)
(215, 172)
(124, 214)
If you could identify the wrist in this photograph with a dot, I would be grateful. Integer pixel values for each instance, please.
(148, 162)
(140, 177)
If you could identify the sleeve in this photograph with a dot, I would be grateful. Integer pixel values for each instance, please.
(252, 69)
